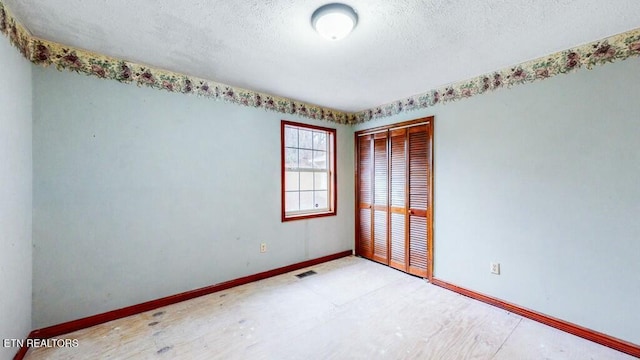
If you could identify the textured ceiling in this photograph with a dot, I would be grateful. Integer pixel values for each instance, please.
(400, 48)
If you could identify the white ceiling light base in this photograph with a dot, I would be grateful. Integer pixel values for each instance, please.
(334, 21)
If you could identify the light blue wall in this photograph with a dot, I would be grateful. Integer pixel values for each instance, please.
(545, 179)
(15, 196)
(140, 194)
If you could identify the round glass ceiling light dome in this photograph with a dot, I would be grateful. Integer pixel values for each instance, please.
(334, 21)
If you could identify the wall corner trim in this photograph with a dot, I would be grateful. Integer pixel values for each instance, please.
(591, 335)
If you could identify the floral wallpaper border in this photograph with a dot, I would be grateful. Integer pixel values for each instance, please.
(43, 52)
(614, 48)
(18, 35)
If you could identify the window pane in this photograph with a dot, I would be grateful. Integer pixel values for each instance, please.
(306, 159)
(305, 139)
(291, 180)
(321, 199)
(320, 160)
(306, 181)
(320, 140)
(291, 201)
(291, 158)
(290, 137)
(321, 181)
(306, 200)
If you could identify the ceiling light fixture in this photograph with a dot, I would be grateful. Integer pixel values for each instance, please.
(334, 21)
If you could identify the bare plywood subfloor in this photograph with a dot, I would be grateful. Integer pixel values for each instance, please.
(351, 309)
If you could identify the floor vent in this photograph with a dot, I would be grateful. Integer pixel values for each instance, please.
(306, 273)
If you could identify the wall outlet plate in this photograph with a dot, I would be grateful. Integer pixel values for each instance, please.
(495, 268)
(263, 247)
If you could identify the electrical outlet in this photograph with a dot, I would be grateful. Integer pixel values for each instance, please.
(263, 247)
(495, 268)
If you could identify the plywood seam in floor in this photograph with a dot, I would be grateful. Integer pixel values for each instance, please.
(507, 338)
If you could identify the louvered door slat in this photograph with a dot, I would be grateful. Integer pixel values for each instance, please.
(418, 243)
(380, 236)
(398, 168)
(418, 146)
(380, 198)
(398, 185)
(398, 239)
(364, 169)
(380, 164)
(364, 247)
(418, 167)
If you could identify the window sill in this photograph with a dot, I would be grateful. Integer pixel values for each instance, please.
(307, 216)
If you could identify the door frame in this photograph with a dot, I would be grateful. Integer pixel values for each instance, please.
(430, 241)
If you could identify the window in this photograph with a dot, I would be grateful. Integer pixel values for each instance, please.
(308, 171)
